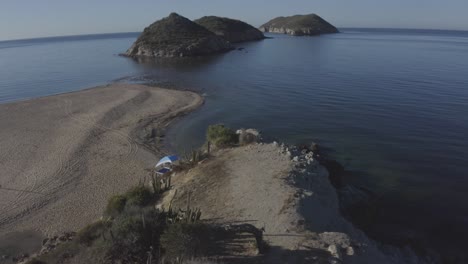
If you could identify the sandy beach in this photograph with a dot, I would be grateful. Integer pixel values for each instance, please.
(63, 156)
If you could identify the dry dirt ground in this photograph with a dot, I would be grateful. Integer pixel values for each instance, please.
(288, 197)
(248, 185)
(63, 156)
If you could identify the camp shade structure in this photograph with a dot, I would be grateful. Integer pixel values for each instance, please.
(163, 171)
(167, 159)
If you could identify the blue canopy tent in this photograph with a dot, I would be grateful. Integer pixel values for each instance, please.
(167, 160)
(163, 171)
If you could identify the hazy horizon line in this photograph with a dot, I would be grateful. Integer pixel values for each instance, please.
(136, 32)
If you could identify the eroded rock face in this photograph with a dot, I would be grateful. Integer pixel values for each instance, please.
(299, 25)
(248, 136)
(231, 30)
(177, 36)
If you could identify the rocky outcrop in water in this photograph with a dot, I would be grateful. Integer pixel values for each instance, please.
(299, 25)
(319, 207)
(231, 30)
(177, 36)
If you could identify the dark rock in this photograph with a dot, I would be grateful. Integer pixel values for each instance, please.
(177, 36)
(231, 30)
(358, 204)
(299, 25)
(314, 147)
(21, 258)
(335, 171)
(248, 136)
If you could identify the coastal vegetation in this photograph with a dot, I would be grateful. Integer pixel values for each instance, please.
(232, 30)
(133, 230)
(299, 25)
(221, 136)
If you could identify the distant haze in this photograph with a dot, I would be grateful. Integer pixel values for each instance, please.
(32, 18)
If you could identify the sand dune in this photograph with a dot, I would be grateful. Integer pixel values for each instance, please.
(62, 156)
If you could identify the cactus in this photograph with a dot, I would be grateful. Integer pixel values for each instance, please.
(188, 215)
(193, 156)
(167, 182)
(156, 184)
(198, 216)
(196, 156)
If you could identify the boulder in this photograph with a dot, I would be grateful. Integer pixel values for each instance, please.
(248, 136)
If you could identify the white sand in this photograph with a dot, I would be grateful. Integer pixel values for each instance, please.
(63, 156)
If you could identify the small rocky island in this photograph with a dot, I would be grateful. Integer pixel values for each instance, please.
(177, 36)
(299, 25)
(232, 30)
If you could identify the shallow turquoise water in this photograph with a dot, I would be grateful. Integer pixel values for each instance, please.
(391, 105)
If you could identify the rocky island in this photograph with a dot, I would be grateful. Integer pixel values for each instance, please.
(177, 36)
(299, 25)
(232, 30)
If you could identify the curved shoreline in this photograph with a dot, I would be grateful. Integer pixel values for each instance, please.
(63, 155)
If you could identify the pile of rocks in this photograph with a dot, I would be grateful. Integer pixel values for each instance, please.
(48, 245)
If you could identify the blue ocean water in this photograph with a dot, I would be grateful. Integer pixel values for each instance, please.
(391, 105)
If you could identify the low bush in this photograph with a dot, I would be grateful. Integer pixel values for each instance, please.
(139, 196)
(221, 136)
(115, 205)
(91, 232)
(134, 234)
(185, 240)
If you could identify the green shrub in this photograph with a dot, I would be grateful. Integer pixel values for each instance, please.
(221, 136)
(185, 240)
(139, 196)
(134, 233)
(127, 226)
(91, 232)
(115, 205)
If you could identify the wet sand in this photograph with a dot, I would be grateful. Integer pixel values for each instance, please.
(63, 156)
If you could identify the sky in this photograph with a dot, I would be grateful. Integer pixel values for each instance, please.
(40, 18)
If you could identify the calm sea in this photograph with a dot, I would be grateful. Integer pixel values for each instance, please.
(392, 105)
